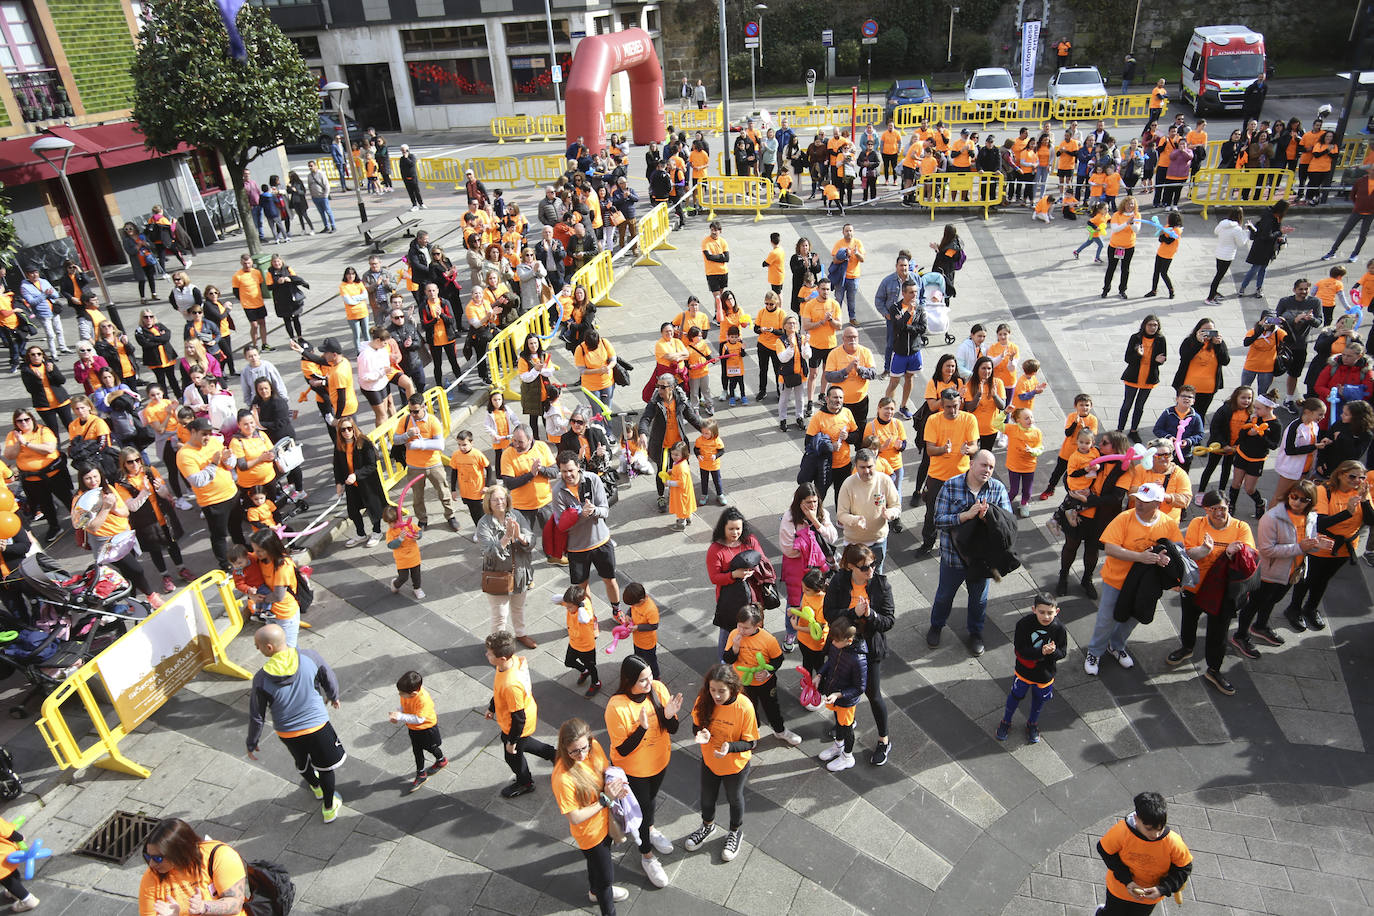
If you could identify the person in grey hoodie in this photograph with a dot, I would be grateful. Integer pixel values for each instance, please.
(589, 539)
(294, 685)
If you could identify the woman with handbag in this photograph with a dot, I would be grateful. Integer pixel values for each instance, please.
(535, 370)
(533, 277)
(805, 521)
(506, 541)
(274, 416)
(731, 537)
(859, 595)
(355, 479)
(287, 297)
(441, 332)
(32, 448)
(217, 313)
(154, 523)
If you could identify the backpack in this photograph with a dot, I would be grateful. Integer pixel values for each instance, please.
(271, 892)
(808, 544)
(303, 592)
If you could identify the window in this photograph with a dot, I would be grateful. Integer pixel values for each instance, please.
(308, 45)
(629, 20)
(601, 25)
(651, 20)
(205, 170)
(448, 38)
(531, 77)
(536, 33)
(21, 50)
(451, 82)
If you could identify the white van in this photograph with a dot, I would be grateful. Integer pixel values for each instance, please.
(1220, 62)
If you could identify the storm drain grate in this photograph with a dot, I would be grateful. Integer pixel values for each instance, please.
(119, 837)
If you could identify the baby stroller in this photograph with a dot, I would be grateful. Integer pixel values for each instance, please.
(70, 620)
(932, 290)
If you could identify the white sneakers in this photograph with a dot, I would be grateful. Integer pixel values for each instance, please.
(28, 903)
(618, 894)
(787, 736)
(662, 845)
(842, 762)
(419, 594)
(831, 752)
(355, 540)
(1091, 662)
(653, 870)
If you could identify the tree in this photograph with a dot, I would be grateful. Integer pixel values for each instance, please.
(187, 89)
(9, 236)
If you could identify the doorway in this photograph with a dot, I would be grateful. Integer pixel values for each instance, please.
(372, 95)
(90, 198)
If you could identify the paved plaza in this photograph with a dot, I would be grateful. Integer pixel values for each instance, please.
(1272, 788)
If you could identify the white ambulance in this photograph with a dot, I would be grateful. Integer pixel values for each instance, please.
(1220, 62)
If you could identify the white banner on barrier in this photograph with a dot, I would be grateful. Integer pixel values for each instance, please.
(156, 659)
(1030, 51)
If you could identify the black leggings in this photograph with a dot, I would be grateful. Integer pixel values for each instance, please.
(645, 789)
(166, 376)
(601, 875)
(1307, 594)
(426, 739)
(152, 539)
(16, 887)
(765, 698)
(527, 745)
(1261, 604)
(734, 795)
(437, 355)
(767, 358)
(874, 692)
(169, 458)
(1218, 624)
(1212, 462)
(1112, 260)
(226, 359)
(413, 574)
(56, 419)
(1061, 467)
(146, 275)
(292, 323)
(1162, 266)
(224, 522)
(364, 497)
(133, 571)
(47, 494)
(1086, 534)
(1134, 396)
(1222, 267)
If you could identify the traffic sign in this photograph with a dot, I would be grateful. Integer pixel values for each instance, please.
(751, 42)
(751, 30)
(810, 76)
(870, 41)
(557, 73)
(828, 38)
(869, 28)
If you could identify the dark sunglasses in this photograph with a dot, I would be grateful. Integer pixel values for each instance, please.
(863, 567)
(152, 859)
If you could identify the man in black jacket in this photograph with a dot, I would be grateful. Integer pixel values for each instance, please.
(410, 179)
(550, 252)
(417, 257)
(409, 338)
(582, 246)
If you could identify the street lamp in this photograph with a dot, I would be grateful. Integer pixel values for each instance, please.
(335, 90)
(724, 89)
(949, 52)
(761, 8)
(54, 145)
(553, 57)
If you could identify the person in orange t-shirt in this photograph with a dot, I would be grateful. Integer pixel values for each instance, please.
(582, 630)
(643, 623)
(402, 536)
(468, 474)
(422, 723)
(513, 708)
(708, 448)
(726, 729)
(584, 796)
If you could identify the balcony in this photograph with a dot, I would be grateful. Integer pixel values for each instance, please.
(40, 95)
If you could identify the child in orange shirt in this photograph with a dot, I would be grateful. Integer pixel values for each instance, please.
(1081, 418)
(468, 475)
(1068, 207)
(250, 583)
(1111, 187)
(582, 630)
(643, 624)
(732, 367)
(1025, 443)
(261, 511)
(1366, 283)
(417, 712)
(1043, 207)
(1331, 291)
(1097, 231)
(832, 198)
(402, 536)
(814, 583)
(1028, 384)
(682, 497)
(708, 448)
(1079, 481)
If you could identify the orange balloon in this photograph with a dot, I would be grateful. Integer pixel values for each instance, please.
(9, 524)
(7, 500)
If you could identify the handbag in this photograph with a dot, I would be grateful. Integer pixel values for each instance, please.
(289, 455)
(620, 372)
(768, 596)
(498, 582)
(617, 217)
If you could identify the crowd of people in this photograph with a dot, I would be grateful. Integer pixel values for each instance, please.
(164, 395)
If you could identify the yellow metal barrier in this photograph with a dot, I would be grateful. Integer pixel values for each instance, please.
(500, 168)
(1013, 110)
(654, 227)
(951, 190)
(1352, 152)
(699, 119)
(735, 193)
(1082, 109)
(618, 122)
(516, 127)
(864, 115)
(440, 171)
(383, 437)
(218, 630)
(967, 112)
(1129, 108)
(550, 126)
(503, 353)
(1229, 187)
(803, 116)
(909, 116)
(598, 276)
(543, 169)
(325, 163)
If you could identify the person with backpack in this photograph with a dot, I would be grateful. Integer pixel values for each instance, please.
(187, 871)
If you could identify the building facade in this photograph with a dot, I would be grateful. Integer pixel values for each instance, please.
(433, 65)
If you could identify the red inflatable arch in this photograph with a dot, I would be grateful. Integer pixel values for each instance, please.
(597, 57)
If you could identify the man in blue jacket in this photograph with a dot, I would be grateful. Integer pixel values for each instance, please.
(1182, 424)
(294, 685)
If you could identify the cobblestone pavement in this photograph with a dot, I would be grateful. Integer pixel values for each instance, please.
(1271, 788)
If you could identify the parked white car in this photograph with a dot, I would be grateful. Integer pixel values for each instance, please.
(989, 84)
(1077, 83)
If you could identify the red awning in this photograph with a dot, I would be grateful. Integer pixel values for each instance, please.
(99, 146)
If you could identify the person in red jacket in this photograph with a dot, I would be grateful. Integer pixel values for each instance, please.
(1351, 367)
(1362, 212)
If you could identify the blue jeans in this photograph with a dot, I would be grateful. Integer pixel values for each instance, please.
(1108, 633)
(361, 332)
(257, 220)
(291, 626)
(326, 212)
(1260, 381)
(850, 288)
(1256, 272)
(950, 580)
(887, 348)
(1091, 241)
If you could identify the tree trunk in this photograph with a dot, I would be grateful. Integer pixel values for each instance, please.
(250, 230)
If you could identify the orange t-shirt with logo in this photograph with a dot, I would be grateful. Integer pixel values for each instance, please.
(593, 830)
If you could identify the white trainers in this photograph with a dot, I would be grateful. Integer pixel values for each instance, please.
(842, 762)
(1090, 664)
(373, 540)
(831, 752)
(1123, 657)
(419, 594)
(732, 841)
(662, 845)
(653, 870)
(184, 503)
(355, 540)
(787, 736)
(618, 894)
(23, 906)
